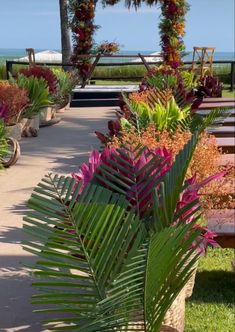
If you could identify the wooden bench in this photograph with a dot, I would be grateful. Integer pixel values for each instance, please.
(223, 131)
(226, 144)
(223, 223)
(211, 105)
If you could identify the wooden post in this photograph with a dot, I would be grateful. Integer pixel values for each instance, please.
(8, 68)
(89, 74)
(144, 62)
(232, 76)
(31, 56)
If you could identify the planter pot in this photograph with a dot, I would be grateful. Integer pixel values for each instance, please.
(13, 153)
(174, 318)
(15, 131)
(191, 282)
(46, 114)
(65, 106)
(31, 126)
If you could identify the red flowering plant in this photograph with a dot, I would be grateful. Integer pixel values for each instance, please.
(83, 28)
(44, 73)
(107, 47)
(13, 101)
(137, 172)
(172, 30)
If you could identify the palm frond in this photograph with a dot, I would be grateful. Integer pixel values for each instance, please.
(81, 246)
(172, 184)
(144, 291)
(215, 117)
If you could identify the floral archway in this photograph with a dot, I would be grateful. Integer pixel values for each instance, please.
(172, 29)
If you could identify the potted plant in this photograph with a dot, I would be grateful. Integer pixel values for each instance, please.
(13, 101)
(3, 140)
(47, 111)
(115, 246)
(66, 82)
(39, 98)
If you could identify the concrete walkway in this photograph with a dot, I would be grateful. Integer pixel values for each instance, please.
(60, 148)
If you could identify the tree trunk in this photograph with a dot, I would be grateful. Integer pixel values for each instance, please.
(65, 33)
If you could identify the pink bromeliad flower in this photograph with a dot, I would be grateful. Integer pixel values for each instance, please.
(190, 194)
(87, 171)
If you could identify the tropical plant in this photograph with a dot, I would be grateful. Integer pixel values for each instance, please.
(37, 91)
(3, 141)
(167, 116)
(13, 101)
(210, 86)
(107, 47)
(44, 73)
(181, 84)
(66, 82)
(99, 267)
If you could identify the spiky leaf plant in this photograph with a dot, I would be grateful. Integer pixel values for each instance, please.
(99, 269)
(3, 141)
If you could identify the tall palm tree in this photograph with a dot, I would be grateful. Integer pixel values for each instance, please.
(65, 33)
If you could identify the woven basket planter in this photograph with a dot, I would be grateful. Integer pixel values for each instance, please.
(47, 113)
(174, 318)
(190, 284)
(15, 131)
(31, 127)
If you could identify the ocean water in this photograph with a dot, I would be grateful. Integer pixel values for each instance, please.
(10, 54)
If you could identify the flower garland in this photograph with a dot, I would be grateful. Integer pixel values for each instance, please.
(83, 28)
(172, 30)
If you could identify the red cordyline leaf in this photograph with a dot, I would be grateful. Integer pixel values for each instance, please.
(42, 72)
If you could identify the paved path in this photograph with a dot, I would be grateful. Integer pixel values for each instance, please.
(60, 148)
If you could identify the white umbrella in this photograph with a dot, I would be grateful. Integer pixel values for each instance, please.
(47, 56)
(156, 58)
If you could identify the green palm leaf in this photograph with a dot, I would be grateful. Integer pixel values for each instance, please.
(98, 268)
(144, 291)
(81, 246)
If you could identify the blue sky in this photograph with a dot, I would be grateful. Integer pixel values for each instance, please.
(35, 23)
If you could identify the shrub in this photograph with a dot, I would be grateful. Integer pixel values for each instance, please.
(3, 140)
(42, 72)
(14, 99)
(204, 163)
(38, 93)
(164, 113)
(210, 86)
(66, 82)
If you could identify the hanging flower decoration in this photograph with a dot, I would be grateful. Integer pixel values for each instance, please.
(83, 28)
(172, 30)
(107, 47)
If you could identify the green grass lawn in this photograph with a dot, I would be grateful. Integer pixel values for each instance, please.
(227, 92)
(212, 306)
